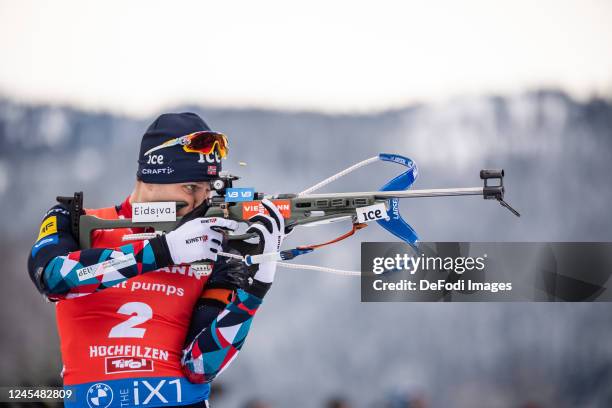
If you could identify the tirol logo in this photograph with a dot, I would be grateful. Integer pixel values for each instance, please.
(127, 364)
(234, 195)
(252, 208)
(99, 395)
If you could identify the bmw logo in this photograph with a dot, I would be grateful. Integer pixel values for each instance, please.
(99, 395)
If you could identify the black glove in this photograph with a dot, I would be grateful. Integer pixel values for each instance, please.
(229, 273)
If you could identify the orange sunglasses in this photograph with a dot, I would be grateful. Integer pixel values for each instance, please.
(197, 142)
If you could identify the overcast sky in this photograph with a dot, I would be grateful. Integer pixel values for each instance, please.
(140, 56)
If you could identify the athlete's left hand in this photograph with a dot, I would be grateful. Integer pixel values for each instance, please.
(229, 273)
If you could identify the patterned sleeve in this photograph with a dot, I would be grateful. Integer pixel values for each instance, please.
(217, 345)
(61, 271)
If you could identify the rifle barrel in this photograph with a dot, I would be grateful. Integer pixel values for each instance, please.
(434, 192)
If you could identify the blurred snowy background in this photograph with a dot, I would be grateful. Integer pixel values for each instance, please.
(314, 338)
(303, 92)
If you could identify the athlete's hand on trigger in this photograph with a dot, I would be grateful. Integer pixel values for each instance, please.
(271, 231)
(270, 227)
(198, 239)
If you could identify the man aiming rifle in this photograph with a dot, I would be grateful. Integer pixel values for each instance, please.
(139, 325)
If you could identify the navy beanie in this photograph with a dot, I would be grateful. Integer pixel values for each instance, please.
(173, 164)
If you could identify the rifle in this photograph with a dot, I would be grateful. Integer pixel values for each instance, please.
(306, 208)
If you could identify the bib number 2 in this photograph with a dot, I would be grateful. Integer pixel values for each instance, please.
(139, 313)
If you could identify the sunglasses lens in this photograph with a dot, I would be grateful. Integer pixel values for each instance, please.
(204, 142)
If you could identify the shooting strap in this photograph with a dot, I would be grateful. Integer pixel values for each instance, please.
(356, 227)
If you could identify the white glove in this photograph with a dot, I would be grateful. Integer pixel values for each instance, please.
(198, 239)
(271, 231)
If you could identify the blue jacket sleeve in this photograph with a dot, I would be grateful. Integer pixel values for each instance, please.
(60, 269)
